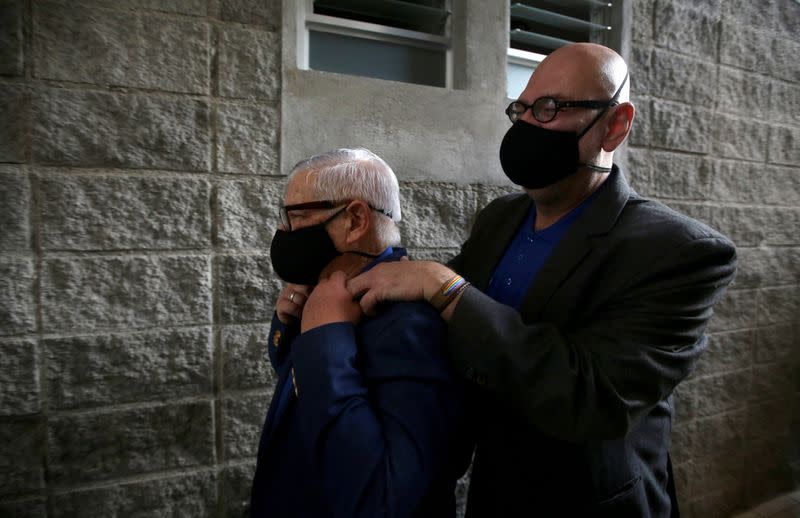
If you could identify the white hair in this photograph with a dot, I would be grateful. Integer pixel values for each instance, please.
(357, 174)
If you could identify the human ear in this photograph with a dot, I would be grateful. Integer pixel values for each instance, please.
(358, 221)
(618, 126)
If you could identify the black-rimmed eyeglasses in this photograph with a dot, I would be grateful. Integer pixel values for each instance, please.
(318, 205)
(545, 109)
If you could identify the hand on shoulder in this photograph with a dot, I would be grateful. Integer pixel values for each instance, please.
(401, 280)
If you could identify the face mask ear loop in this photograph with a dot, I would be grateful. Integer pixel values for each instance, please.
(362, 254)
(587, 128)
(334, 216)
(597, 168)
(604, 110)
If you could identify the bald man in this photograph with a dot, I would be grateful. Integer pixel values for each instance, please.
(587, 306)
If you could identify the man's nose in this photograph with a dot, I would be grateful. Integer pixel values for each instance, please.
(528, 117)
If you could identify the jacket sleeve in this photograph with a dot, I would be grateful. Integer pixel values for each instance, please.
(378, 425)
(595, 380)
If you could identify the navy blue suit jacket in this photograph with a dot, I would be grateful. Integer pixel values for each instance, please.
(365, 420)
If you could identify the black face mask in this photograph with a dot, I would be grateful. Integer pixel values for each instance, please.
(299, 256)
(535, 157)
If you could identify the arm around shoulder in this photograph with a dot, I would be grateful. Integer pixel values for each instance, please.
(594, 377)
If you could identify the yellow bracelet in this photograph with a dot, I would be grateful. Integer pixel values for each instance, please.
(448, 292)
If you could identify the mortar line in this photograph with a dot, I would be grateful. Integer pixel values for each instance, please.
(36, 249)
(130, 90)
(153, 476)
(89, 171)
(34, 222)
(207, 17)
(216, 317)
(113, 482)
(158, 327)
(117, 407)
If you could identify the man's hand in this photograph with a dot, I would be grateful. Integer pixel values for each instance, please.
(402, 280)
(330, 302)
(289, 305)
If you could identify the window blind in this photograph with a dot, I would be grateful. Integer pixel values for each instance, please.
(429, 16)
(542, 26)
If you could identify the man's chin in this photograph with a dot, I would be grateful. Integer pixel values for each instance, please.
(545, 194)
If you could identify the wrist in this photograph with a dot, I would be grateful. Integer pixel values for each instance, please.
(448, 292)
(438, 274)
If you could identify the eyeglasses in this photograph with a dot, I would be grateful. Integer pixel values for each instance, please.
(544, 109)
(318, 205)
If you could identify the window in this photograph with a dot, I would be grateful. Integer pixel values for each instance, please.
(537, 27)
(400, 40)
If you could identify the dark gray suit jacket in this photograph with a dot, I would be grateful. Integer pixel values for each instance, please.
(573, 390)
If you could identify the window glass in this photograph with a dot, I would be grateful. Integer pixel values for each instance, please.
(400, 40)
(374, 58)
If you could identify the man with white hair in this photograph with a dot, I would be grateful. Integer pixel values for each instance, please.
(366, 416)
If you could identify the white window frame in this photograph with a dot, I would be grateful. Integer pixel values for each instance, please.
(307, 21)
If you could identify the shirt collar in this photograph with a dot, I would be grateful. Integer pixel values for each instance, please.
(557, 228)
(388, 255)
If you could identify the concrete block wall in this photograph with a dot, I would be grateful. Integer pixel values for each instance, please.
(717, 85)
(140, 162)
(139, 173)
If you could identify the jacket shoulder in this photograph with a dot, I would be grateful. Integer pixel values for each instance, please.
(649, 238)
(496, 211)
(650, 220)
(404, 339)
(505, 201)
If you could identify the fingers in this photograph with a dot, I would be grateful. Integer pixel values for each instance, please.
(288, 311)
(291, 302)
(297, 299)
(369, 301)
(366, 288)
(405, 280)
(302, 289)
(359, 284)
(293, 292)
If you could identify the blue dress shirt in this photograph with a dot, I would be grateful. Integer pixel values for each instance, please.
(527, 253)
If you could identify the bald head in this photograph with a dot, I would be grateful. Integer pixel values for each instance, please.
(571, 77)
(581, 71)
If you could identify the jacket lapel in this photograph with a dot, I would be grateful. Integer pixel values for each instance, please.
(597, 219)
(495, 244)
